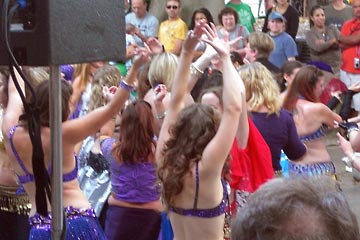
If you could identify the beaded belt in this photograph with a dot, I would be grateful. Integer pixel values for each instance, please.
(70, 212)
(313, 169)
(12, 202)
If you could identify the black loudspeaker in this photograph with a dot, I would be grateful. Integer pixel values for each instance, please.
(55, 32)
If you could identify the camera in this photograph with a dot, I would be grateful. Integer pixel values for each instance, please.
(356, 63)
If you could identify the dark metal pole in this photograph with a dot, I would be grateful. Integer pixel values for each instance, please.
(56, 153)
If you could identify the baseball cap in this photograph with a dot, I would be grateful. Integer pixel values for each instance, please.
(276, 15)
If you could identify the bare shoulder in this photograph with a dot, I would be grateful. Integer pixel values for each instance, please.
(310, 111)
(312, 107)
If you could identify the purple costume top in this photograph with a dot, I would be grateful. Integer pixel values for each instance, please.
(321, 132)
(203, 213)
(28, 177)
(131, 182)
(279, 133)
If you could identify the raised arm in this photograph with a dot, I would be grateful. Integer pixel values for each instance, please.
(200, 65)
(242, 132)
(178, 91)
(219, 147)
(77, 129)
(15, 106)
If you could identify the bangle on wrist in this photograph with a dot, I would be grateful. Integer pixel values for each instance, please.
(197, 68)
(124, 85)
(161, 116)
(194, 70)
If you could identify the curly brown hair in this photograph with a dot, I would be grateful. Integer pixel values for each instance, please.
(196, 126)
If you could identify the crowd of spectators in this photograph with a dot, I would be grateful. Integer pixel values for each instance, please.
(185, 137)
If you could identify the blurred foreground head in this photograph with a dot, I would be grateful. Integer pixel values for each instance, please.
(296, 209)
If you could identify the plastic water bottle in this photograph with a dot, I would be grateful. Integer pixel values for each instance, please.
(284, 163)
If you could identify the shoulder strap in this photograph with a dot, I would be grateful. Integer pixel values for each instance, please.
(197, 184)
(11, 134)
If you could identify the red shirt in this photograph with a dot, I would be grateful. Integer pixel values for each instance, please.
(348, 54)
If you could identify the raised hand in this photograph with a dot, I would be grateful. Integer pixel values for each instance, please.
(142, 56)
(154, 45)
(220, 45)
(109, 92)
(193, 37)
(160, 92)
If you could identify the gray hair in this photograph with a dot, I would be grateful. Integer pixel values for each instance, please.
(297, 209)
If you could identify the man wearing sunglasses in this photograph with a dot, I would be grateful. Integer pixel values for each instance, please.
(172, 31)
(146, 25)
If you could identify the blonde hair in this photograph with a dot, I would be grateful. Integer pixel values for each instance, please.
(35, 75)
(261, 88)
(84, 72)
(108, 76)
(162, 69)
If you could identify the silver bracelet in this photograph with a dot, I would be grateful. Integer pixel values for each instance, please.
(161, 116)
(194, 70)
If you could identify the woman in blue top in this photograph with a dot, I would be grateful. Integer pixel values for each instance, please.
(193, 145)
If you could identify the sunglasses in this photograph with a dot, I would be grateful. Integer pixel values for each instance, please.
(173, 7)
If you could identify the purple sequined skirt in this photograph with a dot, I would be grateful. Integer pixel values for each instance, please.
(81, 224)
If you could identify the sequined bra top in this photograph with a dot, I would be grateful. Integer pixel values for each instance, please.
(203, 213)
(321, 132)
(28, 177)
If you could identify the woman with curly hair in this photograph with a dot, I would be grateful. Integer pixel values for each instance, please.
(106, 76)
(89, 154)
(194, 144)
